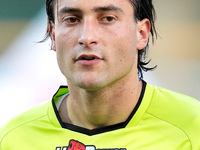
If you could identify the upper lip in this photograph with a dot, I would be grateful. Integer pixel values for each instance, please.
(87, 57)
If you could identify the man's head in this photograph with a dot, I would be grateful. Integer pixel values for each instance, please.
(142, 9)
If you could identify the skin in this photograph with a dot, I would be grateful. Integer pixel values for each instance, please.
(106, 32)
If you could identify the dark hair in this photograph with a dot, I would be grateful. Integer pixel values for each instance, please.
(145, 9)
(142, 9)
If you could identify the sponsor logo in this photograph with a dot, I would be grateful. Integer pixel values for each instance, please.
(76, 145)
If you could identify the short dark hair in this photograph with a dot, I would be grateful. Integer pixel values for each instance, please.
(142, 9)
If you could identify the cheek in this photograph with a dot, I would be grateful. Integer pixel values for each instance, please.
(126, 42)
(125, 49)
(64, 36)
(64, 41)
(62, 50)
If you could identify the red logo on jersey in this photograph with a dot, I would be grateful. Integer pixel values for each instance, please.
(76, 145)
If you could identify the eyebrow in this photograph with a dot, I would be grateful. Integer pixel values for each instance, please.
(107, 8)
(96, 9)
(68, 10)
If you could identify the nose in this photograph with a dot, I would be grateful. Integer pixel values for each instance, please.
(88, 34)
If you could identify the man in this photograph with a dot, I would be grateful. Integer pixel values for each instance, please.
(100, 47)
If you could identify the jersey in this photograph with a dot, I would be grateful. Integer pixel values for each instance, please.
(161, 120)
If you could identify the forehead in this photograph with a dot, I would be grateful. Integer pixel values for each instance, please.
(91, 4)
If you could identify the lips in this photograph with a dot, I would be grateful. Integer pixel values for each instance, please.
(88, 59)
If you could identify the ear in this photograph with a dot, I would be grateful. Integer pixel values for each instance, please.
(143, 28)
(52, 32)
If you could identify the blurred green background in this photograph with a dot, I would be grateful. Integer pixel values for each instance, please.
(14, 16)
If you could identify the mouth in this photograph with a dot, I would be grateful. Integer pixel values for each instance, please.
(88, 59)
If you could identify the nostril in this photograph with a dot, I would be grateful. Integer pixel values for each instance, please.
(87, 41)
(93, 42)
(81, 43)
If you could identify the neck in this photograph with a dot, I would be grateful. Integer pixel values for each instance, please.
(104, 107)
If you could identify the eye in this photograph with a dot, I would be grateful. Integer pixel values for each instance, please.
(108, 19)
(71, 20)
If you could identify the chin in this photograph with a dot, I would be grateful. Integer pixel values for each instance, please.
(90, 86)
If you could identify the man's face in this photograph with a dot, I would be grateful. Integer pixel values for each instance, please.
(96, 41)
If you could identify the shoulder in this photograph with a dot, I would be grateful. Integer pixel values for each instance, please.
(175, 101)
(181, 111)
(172, 106)
(20, 121)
